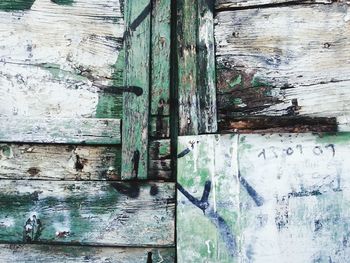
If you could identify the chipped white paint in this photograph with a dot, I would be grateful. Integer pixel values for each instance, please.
(7, 222)
(223, 4)
(104, 213)
(57, 130)
(304, 182)
(296, 57)
(59, 162)
(78, 254)
(52, 55)
(287, 202)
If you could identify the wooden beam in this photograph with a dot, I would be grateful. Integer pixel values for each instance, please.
(270, 124)
(196, 72)
(59, 162)
(79, 254)
(89, 213)
(67, 130)
(137, 73)
(161, 132)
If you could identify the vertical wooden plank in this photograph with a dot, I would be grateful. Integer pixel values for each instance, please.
(208, 204)
(160, 89)
(136, 108)
(187, 67)
(196, 72)
(206, 68)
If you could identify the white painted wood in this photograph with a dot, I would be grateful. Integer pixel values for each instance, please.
(59, 162)
(222, 4)
(304, 181)
(209, 158)
(273, 198)
(65, 130)
(76, 254)
(52, 55)
(303, 55)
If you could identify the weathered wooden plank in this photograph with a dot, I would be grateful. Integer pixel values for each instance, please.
(136, 108)
(272, 124)
(104, 213)
(207, 204)
(187, 24)
(49, 253)
(276, 65)
(303, 180)
(231, 4)
(160, 159)
(196, 67)
(263, 198)
(46, 72)
(160, 92)
(59, 162)
(54, 130)
(206, 68)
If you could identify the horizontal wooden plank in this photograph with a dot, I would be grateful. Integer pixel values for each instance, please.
(277, 65)
(59, 162)
(49, 253)
(53, 56)
(221, 5)
(57, 130)
(104, 213)
(271, 124)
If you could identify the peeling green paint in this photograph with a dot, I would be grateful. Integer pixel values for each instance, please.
(341, 138)
(258, 82)
(63, 2)
(16, 5)
(235, 82)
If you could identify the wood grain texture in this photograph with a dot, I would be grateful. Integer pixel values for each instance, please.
(232, 4)
(271, 64)
(104, 213)
(206, 68)
(196, 67)
(206, 223)
(281, 124)
(59, 162)
(303, 180)
(55, 58)
(187, 24)
(136, 108)
(52, 130)
(263, 198)
(47, 253)
(160, 160)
